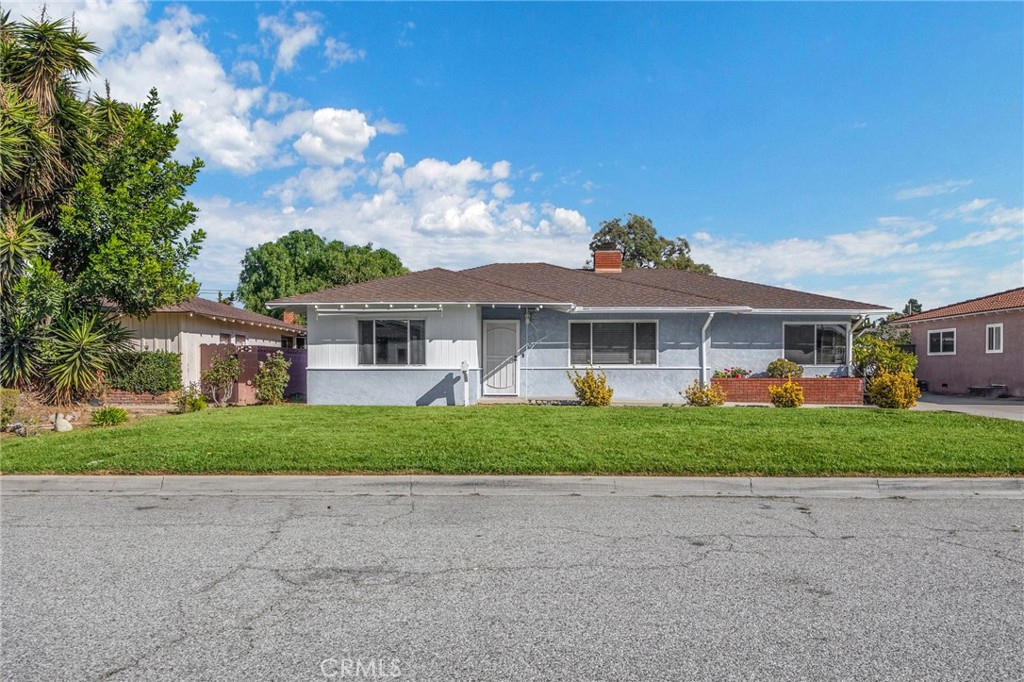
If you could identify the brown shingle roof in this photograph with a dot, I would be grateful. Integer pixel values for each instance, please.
(587, 289)
(436, 285)
(542, 283)
(208, 308)
(739, 292)
(1004, 300)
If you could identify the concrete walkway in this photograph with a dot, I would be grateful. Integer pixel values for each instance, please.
(1001, 408)
(503, 486)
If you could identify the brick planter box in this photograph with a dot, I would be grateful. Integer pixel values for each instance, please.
(817, 390)
(115, 396)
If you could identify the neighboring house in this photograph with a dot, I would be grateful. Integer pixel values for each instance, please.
(513, 329)
(976, 344)
(183, 327)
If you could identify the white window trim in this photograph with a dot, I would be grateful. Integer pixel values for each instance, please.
(928, 340)
(998, 325)
(657, 342)
(408, 341)
(817, 323)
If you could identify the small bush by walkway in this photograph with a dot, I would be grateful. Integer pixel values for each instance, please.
(522, 439)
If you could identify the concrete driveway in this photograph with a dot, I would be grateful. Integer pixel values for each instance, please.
(1001, 408)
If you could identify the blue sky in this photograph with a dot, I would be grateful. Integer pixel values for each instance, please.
(872, 151)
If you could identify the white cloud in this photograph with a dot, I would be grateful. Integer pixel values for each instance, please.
(246, 69)
(190, 78)
(386, 127)
(931, 190)
(335, 136)
(1007, 216)
(339, 52)
(501, 190)
(106, 22)
(981, 238)
(317, 184)
(433, 213)
(292, 38)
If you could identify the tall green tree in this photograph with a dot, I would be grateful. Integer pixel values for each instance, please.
(643, 247)
(302, 261)
(93, 213)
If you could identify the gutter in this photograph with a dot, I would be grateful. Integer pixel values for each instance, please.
(704, 350)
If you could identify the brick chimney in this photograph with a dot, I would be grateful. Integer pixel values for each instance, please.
(288, 317)
(608, 261)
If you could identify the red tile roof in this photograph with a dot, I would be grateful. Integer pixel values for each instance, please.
(208, 308)
(542, 283)
(1004, 300)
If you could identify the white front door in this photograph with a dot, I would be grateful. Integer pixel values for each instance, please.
(501, 357)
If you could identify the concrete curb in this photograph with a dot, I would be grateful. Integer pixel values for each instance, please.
(504, 486)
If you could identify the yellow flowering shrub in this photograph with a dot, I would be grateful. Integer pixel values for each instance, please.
(894, 390)
(591, 389)
(704, 396)
(787, 395)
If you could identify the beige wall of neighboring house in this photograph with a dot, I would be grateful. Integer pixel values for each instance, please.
(183, 333)
(971, 364)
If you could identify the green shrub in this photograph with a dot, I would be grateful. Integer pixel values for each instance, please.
(8, 405)
(110, 416)
(191, 400)
(731, 373)
(591, 389)
(783, 368)
(872, 356)
(219, 380)
(787, 395)
(85, 346)
(704, 396)
(153, 372)
(272, 379)
(894, 390)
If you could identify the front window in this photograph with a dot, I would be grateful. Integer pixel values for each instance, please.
(815, 344)
(942, 342)
(994, 338)
(392, 342)
(613, 343)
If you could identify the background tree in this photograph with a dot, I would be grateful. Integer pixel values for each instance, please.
(302, 261)
(93, 214)
(643, 247)
(912, 307)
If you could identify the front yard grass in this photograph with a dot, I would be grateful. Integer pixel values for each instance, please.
(521, 439)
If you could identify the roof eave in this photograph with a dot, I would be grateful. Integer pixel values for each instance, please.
(958, 315)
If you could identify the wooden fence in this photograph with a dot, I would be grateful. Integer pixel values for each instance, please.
(250, 357)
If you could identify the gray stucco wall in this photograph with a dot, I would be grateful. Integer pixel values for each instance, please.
(753, 341)
(748, 341)
(389, 387)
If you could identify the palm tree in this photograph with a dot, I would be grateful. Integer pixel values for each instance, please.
(46, 131)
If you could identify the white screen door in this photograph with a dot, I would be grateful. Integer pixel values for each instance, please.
(501, 357)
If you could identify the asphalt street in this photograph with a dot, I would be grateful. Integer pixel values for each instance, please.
(519, 587)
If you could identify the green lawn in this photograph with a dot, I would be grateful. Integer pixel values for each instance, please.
(521, 439)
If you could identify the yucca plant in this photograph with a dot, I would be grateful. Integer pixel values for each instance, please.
(19, 352)
(85, 346)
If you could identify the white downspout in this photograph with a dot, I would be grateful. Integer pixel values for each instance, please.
(704, 350)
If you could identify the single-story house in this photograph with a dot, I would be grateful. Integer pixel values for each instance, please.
(183, 327)
(512, 330)
(976, 344)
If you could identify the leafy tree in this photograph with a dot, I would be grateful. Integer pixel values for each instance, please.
(643, 247)
(912, 307)
(873, 356)
(123, 236)
(301, 261)
(92, 211)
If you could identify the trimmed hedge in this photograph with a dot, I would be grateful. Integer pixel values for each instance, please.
(155, 371)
